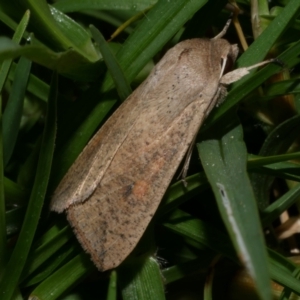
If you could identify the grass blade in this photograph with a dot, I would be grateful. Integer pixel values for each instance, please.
(224, 161)
(13, 111)
(13, 270)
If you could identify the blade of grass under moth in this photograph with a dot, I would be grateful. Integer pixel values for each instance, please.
(116, 72)
(281, 269)
(36, 86)
(258, 161)
(126, 26)
(13, 111)
(145, 282)
(73, 33)
(14, 193)
(277, 142)
(40, 254)
(180, 271)
(78, 5)
(284, 87)
(112, 286)
(116, 19)
(284, 170)
(61, 257)
(3, 237)
(9, 21)
(288, 171)
(69, 62)
(18, 258)
(177, 194)
(14, 220)
(208, 286)
(200, 232)
(224, 161)
(5, 67)
(56, 284)
(273, 211)
(78, 55)
(258, 8)
(150, 36)
(59, 30)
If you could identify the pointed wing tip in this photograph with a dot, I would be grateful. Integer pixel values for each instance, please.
(58, 204)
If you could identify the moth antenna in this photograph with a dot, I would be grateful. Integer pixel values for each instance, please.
(223, 32)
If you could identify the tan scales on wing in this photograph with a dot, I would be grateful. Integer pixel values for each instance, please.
(173, 103)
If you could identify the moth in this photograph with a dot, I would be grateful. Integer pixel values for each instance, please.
(113, 189)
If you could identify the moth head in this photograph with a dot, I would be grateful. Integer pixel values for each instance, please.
(226, 53)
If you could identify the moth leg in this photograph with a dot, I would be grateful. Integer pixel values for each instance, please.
(239, 73)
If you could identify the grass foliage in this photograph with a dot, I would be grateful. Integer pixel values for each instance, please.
(213, 239)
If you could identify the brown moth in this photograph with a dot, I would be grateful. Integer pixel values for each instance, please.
(113, 189)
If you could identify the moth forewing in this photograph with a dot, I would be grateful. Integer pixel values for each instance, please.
(95, 158)
(115, 186)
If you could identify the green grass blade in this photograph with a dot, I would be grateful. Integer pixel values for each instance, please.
(202, 233)
(152, 34)
(4, 71)
(40, 254)
(146, 281)
(64, 278)
(116, 72)
(180, 271)
(277, 142)
(262, 45)
(285, 170)
(59, 30)
(258, 161)
(112, 286)
(280, 88)
(3, 238)
(178, 193)
(13, 111)
(78, 5)
(224, 161)
(35, 85)
(16, 38)
(61, 257)
(283, 271)
(257, 52)
(69, 63)
(273, 211)
(13, 270)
